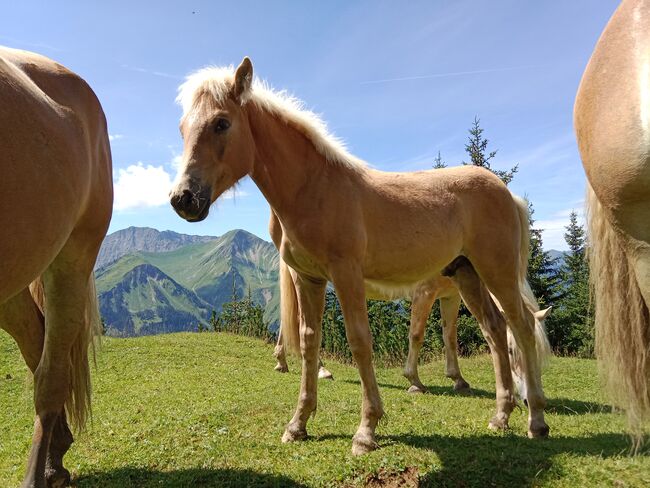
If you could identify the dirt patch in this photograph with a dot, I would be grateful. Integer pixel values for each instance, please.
(408, 478)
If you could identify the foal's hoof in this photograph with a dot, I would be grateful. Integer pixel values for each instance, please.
(538, 430)
(498, 422)
(417, 389)
(324, 374)
(462, 387)
(281, 368)
(363, 444)
(57, 478)
(292, 434)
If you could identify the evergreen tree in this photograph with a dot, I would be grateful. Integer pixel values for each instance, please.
(542, 268)
(572, 329)
(438, 163)
(476, 147)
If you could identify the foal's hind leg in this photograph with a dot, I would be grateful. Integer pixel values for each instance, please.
(23, 320)
(420, 310)
(449, 314)
(350, 288)
(478, 301)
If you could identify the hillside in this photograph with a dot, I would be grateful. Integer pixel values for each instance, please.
(181, 410)
(154, 292)
(127, 241)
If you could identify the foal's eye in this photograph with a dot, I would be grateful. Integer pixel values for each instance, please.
(221, 125)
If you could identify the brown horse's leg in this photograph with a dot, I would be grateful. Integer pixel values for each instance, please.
(420, 310)
(349, 284)
(23, 320)
(449, 314)
(311, 301)
(478, 301)
(280, 355)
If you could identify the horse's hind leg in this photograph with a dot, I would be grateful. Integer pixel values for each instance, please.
(61, 373)
(23, 320)
(478, 301)
(449, 314)
(420, 310)
(504, 284)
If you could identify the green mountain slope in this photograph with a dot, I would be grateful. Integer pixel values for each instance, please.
(202, 274)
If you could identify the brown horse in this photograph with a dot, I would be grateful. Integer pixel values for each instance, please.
(442, 289)
(368, 232)
(55, 206)
(612, 122)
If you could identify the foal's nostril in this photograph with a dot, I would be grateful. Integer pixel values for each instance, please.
(186, 199)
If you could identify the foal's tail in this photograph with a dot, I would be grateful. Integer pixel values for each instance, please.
(77, 405)
(289, 320)
(622, 323)
(524, 247)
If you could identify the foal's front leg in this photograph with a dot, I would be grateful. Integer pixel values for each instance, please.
(311, 303)
(349, 284)
(449, 314)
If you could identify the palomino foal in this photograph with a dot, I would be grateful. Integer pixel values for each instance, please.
(369, 232)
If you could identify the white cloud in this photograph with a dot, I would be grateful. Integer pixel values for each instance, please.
(115, 137)
(140, 186)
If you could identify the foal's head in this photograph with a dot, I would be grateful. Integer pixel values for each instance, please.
(218, 147)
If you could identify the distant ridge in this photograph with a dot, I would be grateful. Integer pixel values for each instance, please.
(125, 241)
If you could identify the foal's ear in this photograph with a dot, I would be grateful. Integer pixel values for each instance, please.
(243, 80)
(542, 314)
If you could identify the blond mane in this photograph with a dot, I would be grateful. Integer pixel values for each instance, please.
(216, 82)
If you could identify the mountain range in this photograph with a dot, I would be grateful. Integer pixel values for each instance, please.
(151, 282)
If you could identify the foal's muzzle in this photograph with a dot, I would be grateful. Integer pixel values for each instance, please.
(192, 206)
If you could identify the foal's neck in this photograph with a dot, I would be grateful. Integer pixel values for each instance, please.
(288, 168)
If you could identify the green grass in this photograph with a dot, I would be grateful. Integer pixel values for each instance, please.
(208, 410)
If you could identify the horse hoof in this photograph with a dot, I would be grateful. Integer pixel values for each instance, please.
(363, 444)
(57, 478)
(294, 434)
(498, 423)
(281, 368)
(324, 374)
(539, 431)
(462, 388)
(417, 389)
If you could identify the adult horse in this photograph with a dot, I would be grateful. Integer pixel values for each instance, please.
(612, 123)
(444, 290)
(55, 205)
(366, 231)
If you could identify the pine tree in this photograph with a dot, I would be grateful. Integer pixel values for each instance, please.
(542, 268)
(438, 163)
(476, 147)
(573, 326)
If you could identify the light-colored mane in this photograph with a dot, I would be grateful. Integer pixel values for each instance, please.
(216, 83)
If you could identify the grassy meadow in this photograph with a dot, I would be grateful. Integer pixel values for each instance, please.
(208, 410)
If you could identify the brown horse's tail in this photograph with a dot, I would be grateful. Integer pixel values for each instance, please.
(622, 323)
(77, 405)
(524, 247)
(289, 320)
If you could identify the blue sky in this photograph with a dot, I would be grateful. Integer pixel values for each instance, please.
(398, 81)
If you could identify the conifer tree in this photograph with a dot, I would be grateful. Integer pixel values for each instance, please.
(543, 277)
(476, 147)
(438, 163)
